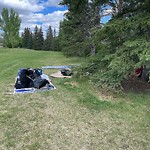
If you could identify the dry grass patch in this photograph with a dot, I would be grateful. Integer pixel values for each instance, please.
(56, 120)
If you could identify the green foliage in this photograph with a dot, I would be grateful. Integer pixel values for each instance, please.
(10, 24)
(122, 45)
(27, 39)
(70, 37)
(75, 29)
(48, 40)
(56, 43)
(38, 39)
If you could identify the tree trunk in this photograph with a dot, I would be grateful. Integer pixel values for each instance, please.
(120, 6)
(97, 25)
(93, 49)
(148, 31)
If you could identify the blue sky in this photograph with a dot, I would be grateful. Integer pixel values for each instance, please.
(38, 12)
(105, 19)
(52, 9)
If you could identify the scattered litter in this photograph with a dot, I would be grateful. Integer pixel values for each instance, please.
(66, 72)
(59, 75)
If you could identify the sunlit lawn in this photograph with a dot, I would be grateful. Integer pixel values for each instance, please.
(75, 116)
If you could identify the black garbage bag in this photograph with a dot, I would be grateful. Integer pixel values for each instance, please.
(39, 82)
(66, 72)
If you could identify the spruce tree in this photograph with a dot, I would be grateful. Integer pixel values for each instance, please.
(35, 38)
(38, 38)
(48, 40)
(56, 41)
(27, 40)
(81, 19)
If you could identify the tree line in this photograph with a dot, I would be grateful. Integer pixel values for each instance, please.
(35, 40)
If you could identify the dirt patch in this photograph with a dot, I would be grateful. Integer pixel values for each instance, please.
(133, 83)
(73, 83)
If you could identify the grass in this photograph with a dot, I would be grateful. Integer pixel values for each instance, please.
(75, 116)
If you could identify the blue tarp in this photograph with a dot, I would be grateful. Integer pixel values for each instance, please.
(56, 67)
(32, 90)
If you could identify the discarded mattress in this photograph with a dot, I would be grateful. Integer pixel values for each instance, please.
(59, 75)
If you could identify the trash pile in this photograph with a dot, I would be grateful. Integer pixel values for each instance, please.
(32, 80)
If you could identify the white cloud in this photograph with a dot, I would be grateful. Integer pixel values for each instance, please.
(52, 19)
(107, 12)
(21, 6)
(30, 12)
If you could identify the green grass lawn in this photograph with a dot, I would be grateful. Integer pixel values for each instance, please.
(75, 116)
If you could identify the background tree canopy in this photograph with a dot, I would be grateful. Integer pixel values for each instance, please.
(10, 24)
(120, 45)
